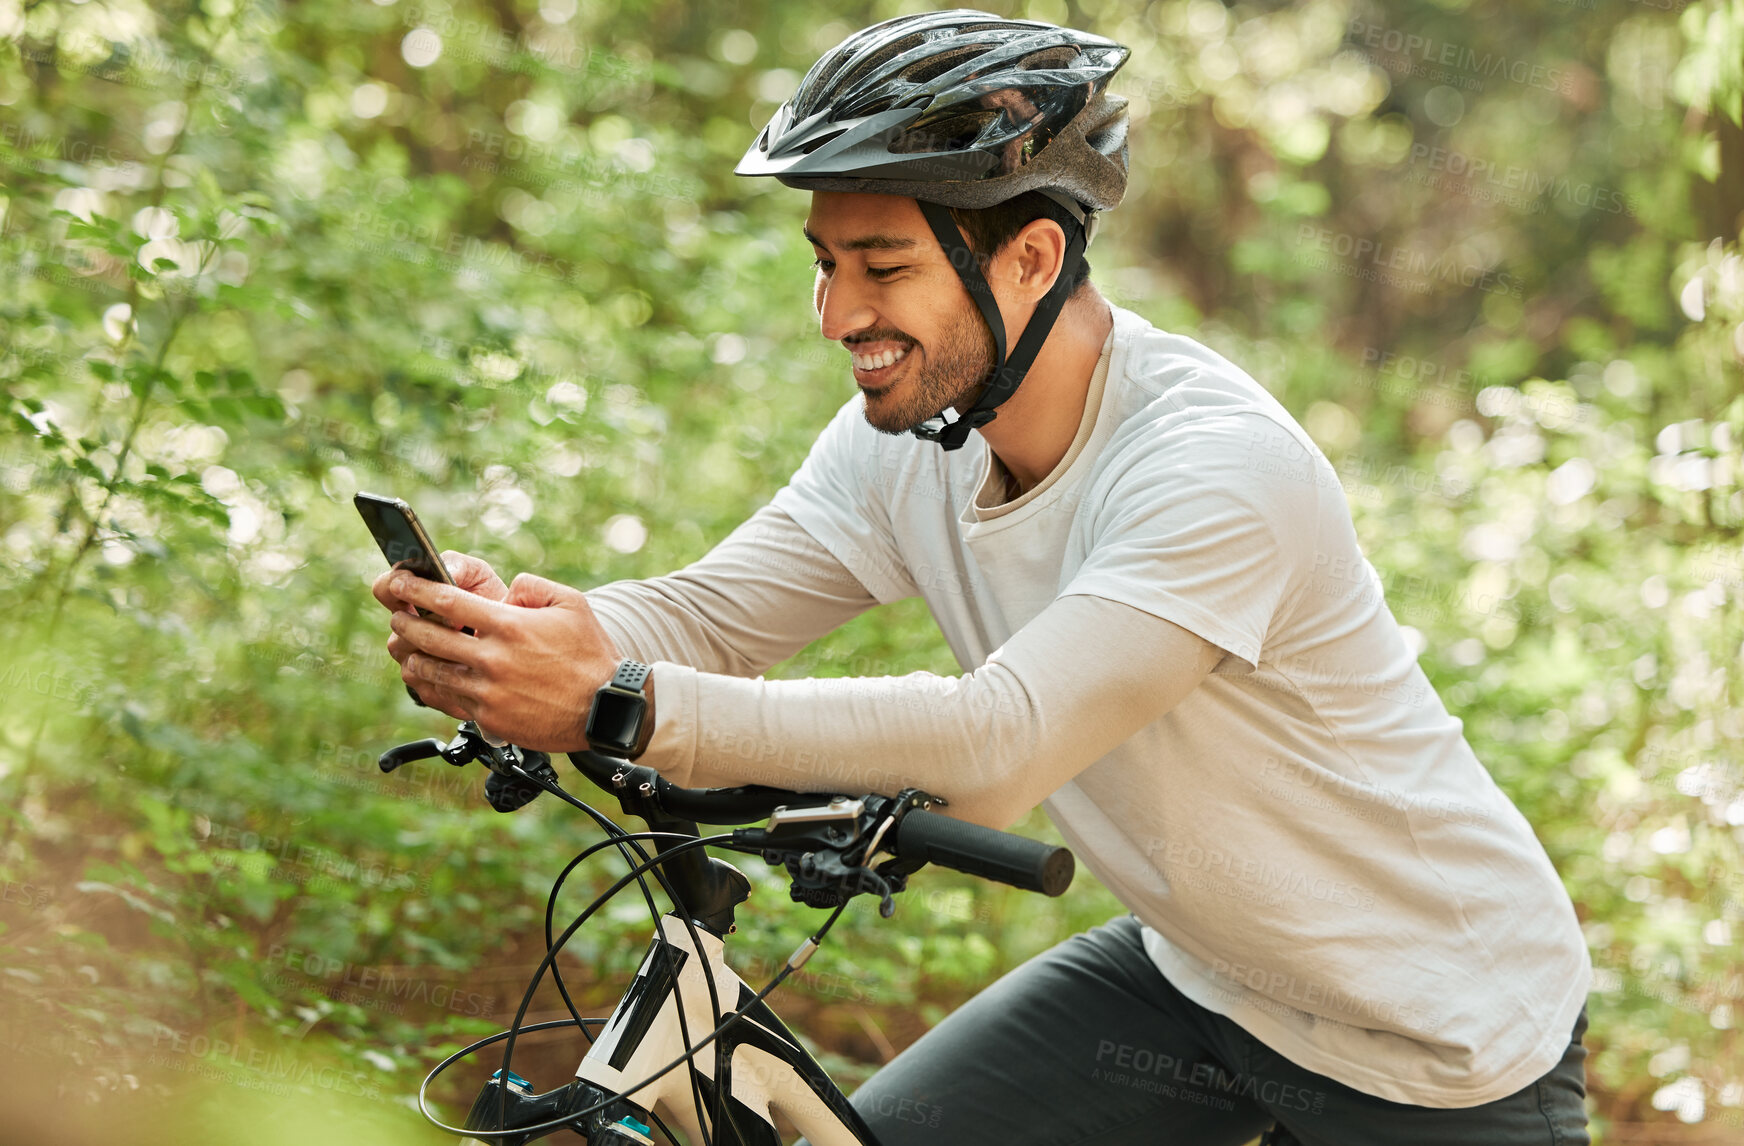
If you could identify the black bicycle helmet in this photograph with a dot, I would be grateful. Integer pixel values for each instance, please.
(962, 109)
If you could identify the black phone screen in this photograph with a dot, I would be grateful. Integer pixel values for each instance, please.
(401, 536)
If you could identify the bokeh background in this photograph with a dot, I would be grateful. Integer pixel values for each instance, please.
(490, 257)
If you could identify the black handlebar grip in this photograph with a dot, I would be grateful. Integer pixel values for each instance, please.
(986, 852)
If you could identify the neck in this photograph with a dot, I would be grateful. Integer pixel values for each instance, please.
(1036, 425)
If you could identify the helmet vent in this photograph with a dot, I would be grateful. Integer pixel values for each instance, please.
(882, 102)
(813, 144)
(870, 62)
(954, 134)
(1064, 56)
(928, 70)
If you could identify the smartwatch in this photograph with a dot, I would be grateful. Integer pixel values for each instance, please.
(614, 723)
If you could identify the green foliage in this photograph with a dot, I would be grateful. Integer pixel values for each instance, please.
(255, 257)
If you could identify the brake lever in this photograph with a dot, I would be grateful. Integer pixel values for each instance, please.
(901, 804)
(829, 848)
(825, 872)
(466, 746)
(518, 775)
(401, 754)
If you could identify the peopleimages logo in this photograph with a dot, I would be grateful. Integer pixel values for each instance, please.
(31, 147)
(1330, 1000)
(1425, 53)
(243, 1064)
(1214, 870)
(1364, 253)
(1146, 1069)
(1481, 178)
(336, 974)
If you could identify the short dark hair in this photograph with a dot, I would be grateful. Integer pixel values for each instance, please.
(989, 229)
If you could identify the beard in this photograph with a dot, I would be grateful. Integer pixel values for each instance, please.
(956, 369)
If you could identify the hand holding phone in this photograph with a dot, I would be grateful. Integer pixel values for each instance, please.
(406, 545)
(537, 659)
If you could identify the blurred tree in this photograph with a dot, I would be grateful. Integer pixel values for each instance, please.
(490, 257)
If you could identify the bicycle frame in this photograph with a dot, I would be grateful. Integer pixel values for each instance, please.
(767, 1070)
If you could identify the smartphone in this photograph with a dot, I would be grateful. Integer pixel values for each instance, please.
(401, 536)
(405, 544)
(403, 540)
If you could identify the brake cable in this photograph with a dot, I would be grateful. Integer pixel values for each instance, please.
(626, 842)
(802, 953)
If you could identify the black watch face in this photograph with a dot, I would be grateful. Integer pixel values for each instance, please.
(616, 720)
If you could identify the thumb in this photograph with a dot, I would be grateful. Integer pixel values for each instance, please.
(474, 575)
(531, 591)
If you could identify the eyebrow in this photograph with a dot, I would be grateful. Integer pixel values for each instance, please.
(868, 242)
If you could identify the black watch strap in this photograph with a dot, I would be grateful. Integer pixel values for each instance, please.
(631, 675)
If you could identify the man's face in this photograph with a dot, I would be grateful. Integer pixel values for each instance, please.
(886, 291)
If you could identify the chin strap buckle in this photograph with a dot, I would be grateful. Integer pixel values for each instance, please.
(951, 429)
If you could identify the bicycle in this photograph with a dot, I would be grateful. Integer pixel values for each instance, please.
(755, 1069)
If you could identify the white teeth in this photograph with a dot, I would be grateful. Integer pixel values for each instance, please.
(879, 361)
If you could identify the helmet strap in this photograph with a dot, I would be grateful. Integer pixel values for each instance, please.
(1007, 373)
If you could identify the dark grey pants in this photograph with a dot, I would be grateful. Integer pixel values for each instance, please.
(1088, 1043)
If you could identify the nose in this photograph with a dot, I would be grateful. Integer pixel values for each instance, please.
(843, 306)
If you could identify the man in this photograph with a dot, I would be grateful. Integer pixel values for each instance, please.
(1173, 643)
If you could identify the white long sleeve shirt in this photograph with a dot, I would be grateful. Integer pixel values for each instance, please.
(1175, 644)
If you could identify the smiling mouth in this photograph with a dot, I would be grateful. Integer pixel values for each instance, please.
(872, 370)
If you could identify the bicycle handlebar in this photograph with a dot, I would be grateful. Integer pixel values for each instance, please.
(920, 836)
(985, 852)
(917, 836)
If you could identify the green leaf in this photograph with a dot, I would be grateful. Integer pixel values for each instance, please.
(140, 378)
(243, 978)
(78, 229)
(266, 406)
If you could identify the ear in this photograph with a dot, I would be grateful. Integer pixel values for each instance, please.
(1035, 255)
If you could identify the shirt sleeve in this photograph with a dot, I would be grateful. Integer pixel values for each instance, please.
(837, 495)
(765, 592)
(1066, 689)
(1211, 524)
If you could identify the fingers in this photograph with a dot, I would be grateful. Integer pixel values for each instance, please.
(531, 591)
(422, 635)
(400, 648)
(474, 575)
(540, 636)
(424, 648)
(461, 608)
(470, 573)
(381, 591)
(421, 681)
(439, 684)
